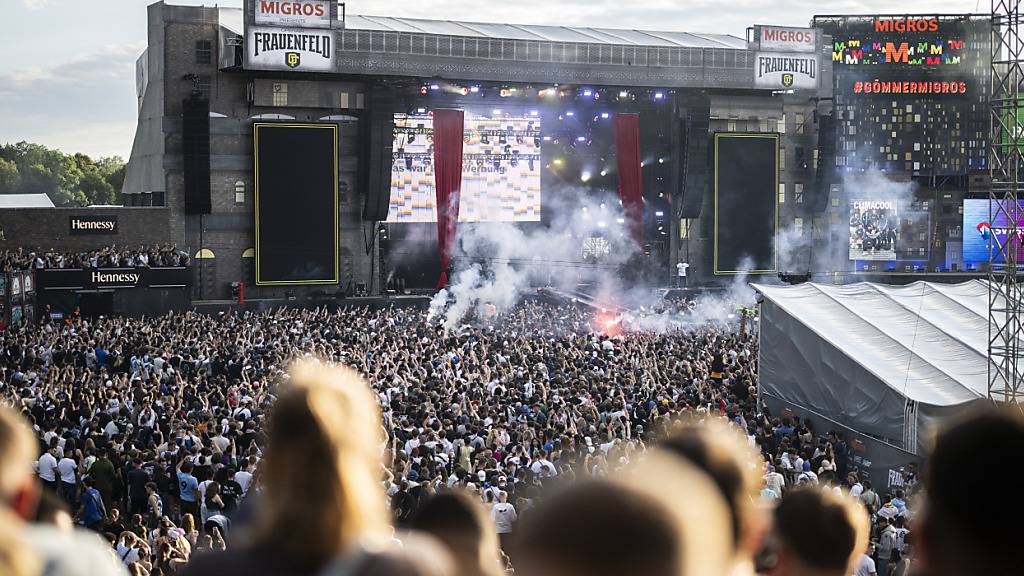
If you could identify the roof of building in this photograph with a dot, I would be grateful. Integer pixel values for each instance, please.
(231, 18)
(25, 201)
(544, 33)
(927, 342)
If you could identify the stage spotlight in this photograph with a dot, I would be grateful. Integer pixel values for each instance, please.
(421, 110)
(588, 93)
(659, 95)
(435, 87)
(570, 113)
(601, 224)
(620, 220)
(604, 115)
(661, 160)
(496, 111)
(581, 138)
(604, 172)
(464, 91)
(423, 89)
(584, 177)
(659, 213)
(557, 161)
(534, 113)
(547, 138)
(623, 94)
(474, 89)
(603, 207)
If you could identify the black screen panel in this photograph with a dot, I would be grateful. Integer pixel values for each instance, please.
(296, 203)
(746, 203)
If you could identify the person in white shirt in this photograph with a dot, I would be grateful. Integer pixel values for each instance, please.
(503, 514)
(681, 274)
(67, 468)
(244, 476)
(775, 481)
(865, 566)
(47, 468)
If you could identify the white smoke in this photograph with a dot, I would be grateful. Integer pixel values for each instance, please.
(824, 250)
(497, 262)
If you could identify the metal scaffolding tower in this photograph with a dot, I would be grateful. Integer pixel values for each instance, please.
(1006, 160)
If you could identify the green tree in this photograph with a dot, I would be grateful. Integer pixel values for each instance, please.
(69, 180)
(10, 178)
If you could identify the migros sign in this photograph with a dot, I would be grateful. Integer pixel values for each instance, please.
(889, 25)
(293, 13)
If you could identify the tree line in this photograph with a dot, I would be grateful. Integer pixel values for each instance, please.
(68, 179)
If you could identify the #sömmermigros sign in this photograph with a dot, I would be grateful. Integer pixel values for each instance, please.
(289, 49)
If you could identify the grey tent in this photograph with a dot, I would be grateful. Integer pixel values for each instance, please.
(883, 361)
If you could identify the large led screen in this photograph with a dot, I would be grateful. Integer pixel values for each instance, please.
(984, 232)
(296, 170)
(874, 229)
(500, 169)
(746, 203)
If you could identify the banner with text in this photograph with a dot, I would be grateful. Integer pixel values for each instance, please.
(776, 39)
(295, 13)
(92, 224)
(786, 71)
(289, 49)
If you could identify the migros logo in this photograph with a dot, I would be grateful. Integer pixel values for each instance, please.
(313, 9)
(907, 25)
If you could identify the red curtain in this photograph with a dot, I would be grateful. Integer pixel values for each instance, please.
(447, 182)
(631, 178)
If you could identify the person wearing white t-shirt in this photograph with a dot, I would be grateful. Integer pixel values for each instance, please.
(504, 516)
(681, 273)
(865, 566)
(66, 469)
(48, 470)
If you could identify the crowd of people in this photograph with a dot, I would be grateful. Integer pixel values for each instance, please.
(106, 257)
(374, 441)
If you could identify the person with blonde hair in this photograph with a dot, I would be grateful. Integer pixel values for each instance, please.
(723, 453)
(320, 496)
(627, 524)
(26, 547)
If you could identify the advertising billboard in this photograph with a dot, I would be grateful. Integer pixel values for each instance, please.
(786, 70)
(293, 13)
(289, 49)
(986, 232)
(777, 39)
(874, 229)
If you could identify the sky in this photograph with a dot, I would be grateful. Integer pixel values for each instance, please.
(68, 76)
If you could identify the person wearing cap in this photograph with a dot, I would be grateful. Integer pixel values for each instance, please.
(807, 476)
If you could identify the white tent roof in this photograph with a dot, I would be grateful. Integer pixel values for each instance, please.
(926, 341)
(25, 201)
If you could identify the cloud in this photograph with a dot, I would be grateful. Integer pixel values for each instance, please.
(35, 4)
(83, 104)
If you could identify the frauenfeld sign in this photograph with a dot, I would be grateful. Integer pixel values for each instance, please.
(297, 13)
(289, 49)
(786, 71)
(776, 39)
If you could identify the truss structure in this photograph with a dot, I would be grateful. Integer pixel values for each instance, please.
(1006, 160)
